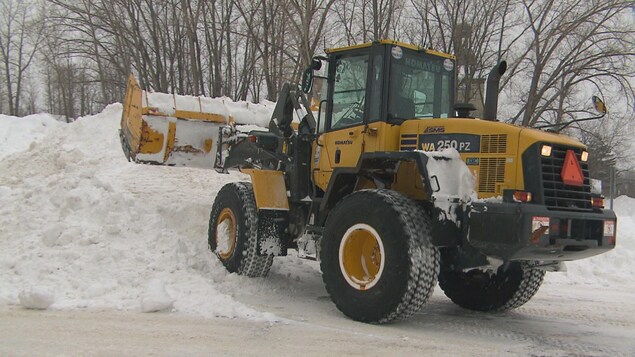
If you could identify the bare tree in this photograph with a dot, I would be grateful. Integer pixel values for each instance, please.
(369, 20)
(471, 30)
(308, 18)
(267, 27)
(21, 29)
(609, 144)
(571, 44)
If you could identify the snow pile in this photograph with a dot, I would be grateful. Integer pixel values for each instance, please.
(243, 112)
(451, 180)
(169, 103)
(16, 134)
(246, 113)
(79, 221)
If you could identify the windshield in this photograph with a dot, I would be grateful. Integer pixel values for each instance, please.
(420, 85)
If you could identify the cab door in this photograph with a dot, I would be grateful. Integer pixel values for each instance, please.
(343, 140)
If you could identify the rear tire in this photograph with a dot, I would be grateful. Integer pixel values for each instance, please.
(233, 231)
(377, 261)
(481, 291)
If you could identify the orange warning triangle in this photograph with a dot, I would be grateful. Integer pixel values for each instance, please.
(571, 171)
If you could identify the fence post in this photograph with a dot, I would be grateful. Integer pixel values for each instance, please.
(613, 186)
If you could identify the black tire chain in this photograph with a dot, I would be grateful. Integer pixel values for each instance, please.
(528, 287)
(251, 264)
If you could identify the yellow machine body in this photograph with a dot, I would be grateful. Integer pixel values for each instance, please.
(490, 149)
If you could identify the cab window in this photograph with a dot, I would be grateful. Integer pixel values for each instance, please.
(349, 91)
(420, 87)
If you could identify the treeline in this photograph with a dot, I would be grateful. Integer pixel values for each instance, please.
(72, 57)
(83, 50)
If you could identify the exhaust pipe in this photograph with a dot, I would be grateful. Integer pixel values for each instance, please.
(491, 95)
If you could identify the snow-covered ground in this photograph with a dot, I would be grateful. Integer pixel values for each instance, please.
(98, 240)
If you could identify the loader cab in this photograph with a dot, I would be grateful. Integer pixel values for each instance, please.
(371, 89)
(383, 81)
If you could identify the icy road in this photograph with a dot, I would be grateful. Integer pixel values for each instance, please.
(100, 240)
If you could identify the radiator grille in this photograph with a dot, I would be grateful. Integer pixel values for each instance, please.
(494, 144)
(491, 172)
(558, 195)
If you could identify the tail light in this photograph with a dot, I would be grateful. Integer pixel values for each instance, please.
(597, 202)
(522, 196)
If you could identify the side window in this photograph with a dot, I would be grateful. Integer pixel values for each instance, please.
(349, 91)
(376, 84)
(319, 94)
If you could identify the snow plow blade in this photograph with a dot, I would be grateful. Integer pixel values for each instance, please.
(170, 129)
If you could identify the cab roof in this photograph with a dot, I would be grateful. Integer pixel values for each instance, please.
(395, 43)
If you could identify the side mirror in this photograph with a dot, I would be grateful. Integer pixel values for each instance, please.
(307, 76)
(316, 63)
(599, 105)
(307, 80)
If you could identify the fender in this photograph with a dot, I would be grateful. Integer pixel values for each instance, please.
(343, 180)
(272, 203)
(269, 189)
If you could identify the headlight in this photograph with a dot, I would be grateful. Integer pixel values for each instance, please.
(546, 150)
(585, 156)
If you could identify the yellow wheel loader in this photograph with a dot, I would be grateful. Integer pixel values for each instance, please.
(393, 186)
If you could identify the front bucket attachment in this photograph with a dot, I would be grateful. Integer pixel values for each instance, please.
(170, 129)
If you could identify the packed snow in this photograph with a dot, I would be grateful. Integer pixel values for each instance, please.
(83, 229)
(451, 180)
(78, 220)
(243, 112)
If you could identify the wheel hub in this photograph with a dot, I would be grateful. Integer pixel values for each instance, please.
(361, 256)
(226, 234)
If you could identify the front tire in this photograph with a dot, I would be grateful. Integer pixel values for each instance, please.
(233, 231)
(502, 290)
(377, 261)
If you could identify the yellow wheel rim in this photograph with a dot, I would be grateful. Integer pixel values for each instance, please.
(362, 257)
(226, 234)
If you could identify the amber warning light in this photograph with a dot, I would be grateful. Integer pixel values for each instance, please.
(571, 171)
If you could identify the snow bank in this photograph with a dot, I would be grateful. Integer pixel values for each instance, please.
(79, 221)
(17, 134)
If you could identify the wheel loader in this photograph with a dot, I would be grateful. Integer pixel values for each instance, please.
(393, 187)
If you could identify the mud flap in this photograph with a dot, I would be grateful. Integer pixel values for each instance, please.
(444, 232)
(272, 232)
